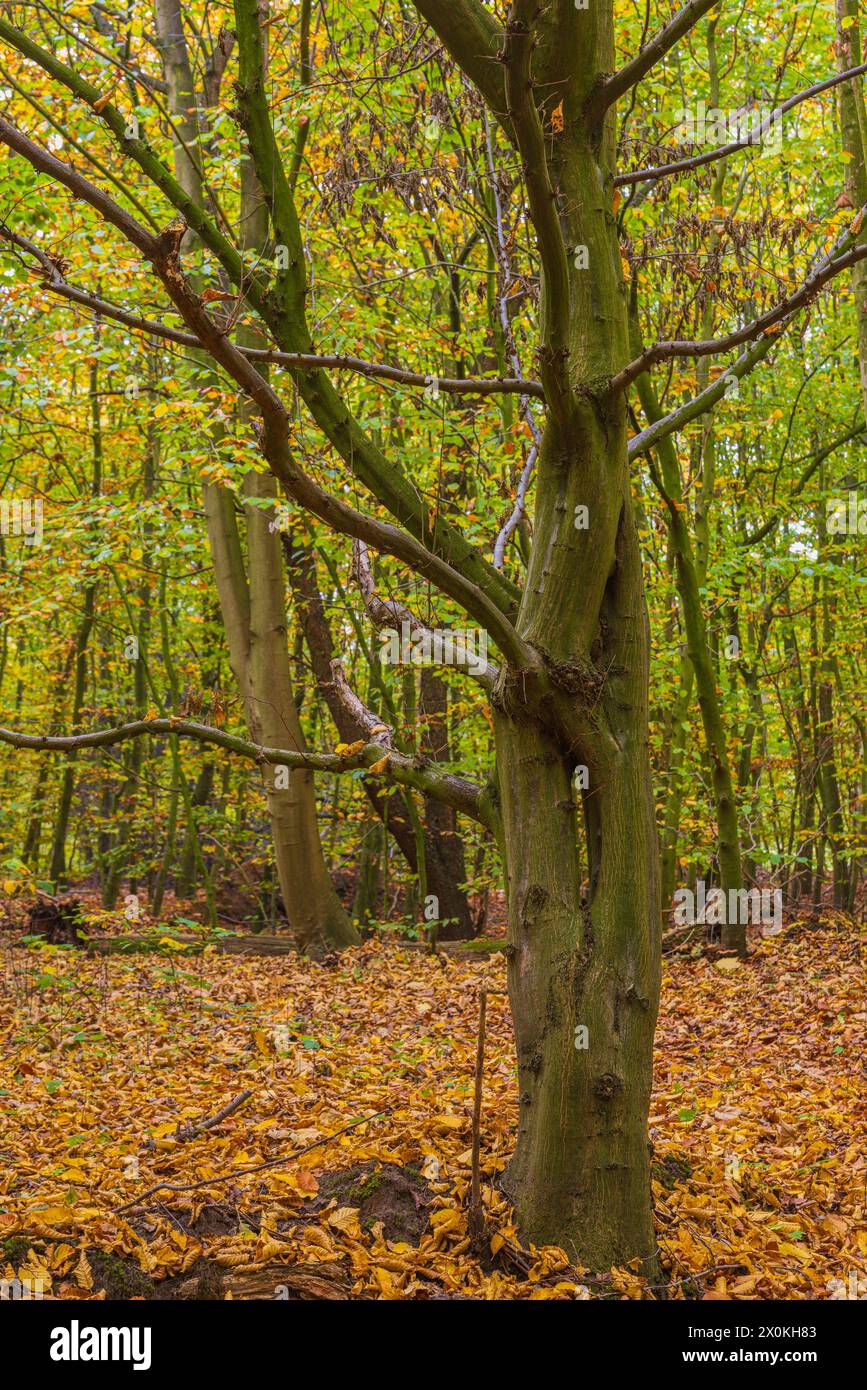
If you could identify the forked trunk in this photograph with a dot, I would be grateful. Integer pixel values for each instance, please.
(584, 957)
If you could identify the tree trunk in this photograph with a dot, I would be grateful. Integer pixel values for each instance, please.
(253, 606)
(58, 866)
(445, 871)
(734, 935)
(580, 1175)
(444, 850)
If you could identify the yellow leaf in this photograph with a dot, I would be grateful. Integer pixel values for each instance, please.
(82, 1274)
(345, 1219)
(557, 119)
(52, 1216)
(797, 1251)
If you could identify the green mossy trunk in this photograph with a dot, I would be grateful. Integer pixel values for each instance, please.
(585, 957)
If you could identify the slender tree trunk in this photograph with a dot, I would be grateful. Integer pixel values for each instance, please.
(253, 605)
(58, 866)
(444, 851)
(444, 872)
(688, 587)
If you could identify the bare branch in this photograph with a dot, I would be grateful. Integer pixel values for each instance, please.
(365, 718)
(695, 161)
(633, 71)
(518, 511)
(56, 283)
(384, 613)
(708, 347)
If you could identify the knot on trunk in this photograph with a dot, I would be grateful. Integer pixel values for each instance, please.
(534, 900)
(532, 693)
(576, 677)
(607, 1086)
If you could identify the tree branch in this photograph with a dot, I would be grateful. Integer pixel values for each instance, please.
(708, 347)
(386, 482)
(363, 717)
(162, 253)
(474, 39)
(518, 511)
(56, 283)
(696, 161)
(632, 72)
(454, 791)
(384, 613)
(283, 310)
(542, 201)
(835, 260)
(816, 461)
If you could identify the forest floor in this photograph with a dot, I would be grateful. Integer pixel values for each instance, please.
(110, 1062)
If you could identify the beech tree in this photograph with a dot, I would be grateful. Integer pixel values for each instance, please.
(570, 784)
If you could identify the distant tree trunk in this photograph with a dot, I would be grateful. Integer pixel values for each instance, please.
(127, 799)
(199, 798)
(57, 867)
(679, 739)
(253, 605)
(829, 785)
(689, 590)
(444, 848)
(391, 806)
(364, 903)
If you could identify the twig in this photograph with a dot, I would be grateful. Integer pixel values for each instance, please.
(688, 1278)
(190, 1131)
(476, 1214)
(723, 151)
(256, 1168)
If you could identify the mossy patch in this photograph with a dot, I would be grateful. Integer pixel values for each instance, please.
(398, 1197)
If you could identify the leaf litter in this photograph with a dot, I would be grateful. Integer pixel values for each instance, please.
(122, 1075)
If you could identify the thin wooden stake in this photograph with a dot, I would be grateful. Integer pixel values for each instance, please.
(476, 1214)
